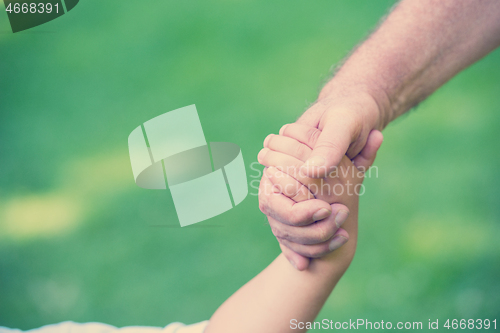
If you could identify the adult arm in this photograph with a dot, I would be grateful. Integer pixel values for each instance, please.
(281, 296)
(420, 46)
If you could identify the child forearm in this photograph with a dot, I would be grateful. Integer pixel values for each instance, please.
(280, 293)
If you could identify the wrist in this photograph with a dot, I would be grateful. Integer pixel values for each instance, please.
(333, 266)
(338, 261)
(365, 85)
(372, 101)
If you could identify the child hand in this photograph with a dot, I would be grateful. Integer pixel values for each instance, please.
(305, 214)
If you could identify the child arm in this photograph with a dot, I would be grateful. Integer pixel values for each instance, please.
(281, 298)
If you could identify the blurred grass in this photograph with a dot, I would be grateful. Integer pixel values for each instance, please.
(79, 241)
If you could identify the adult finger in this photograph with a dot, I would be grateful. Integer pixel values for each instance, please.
(318, 250)
(288, 211)
(313, 115)
(298, 262)
(287, 185)
(315, 233)
(286, 163)
(303, 133)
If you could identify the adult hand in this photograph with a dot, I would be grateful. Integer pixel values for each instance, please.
(405, 60)
(344, 123)
(302, 222)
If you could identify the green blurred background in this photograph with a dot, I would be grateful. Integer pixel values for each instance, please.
(80, 241)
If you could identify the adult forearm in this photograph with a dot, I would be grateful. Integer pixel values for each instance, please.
(420, 46)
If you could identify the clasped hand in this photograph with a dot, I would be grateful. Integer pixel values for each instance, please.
(306, 214)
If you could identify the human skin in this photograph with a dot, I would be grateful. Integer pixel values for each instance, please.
(281, 293)
(419, 47)
(311, 238)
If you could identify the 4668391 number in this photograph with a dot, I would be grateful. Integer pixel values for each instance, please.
(470, 324)
(32, 8)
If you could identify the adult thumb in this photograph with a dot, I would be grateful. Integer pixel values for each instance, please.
(332, 145)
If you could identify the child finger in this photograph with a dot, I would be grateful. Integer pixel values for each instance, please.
(303, 133)
(288, 185)
(288, 146)
(291, 166)
(284, 162)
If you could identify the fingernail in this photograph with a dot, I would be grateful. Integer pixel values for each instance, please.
(262, 153)
(337, 242)
(341, 217)
(266, 141)
(293, 264)
(323, 213)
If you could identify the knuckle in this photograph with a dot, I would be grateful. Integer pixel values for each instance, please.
(330, 145)
(288, 192)
(299, 195)
(312, 136)
(300, 150)
(263, 193)
(303, 194)
(283, 234)
(295, 218)
(270, 140)
(315, 252)
(357, 124)
(264, 159)
(285, 243)
(323, 233)
(283, 128)
(263, 207)
(291, 190)
(277, 188)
